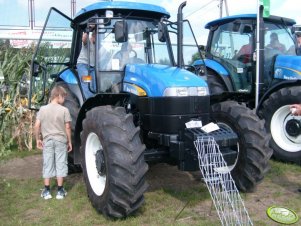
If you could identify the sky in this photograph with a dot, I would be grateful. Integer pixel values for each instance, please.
(198, 12)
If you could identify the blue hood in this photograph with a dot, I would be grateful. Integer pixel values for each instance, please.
(154, 79)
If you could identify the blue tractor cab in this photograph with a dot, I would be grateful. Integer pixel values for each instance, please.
(231, 66)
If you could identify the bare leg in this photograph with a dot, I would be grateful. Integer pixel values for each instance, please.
(60, 181)
(47, 181)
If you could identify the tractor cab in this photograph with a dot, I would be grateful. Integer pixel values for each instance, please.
(232, 44)
(124, 34)
(269, 85)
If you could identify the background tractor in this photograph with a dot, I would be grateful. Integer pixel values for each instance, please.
(139, 108)
(231, 66)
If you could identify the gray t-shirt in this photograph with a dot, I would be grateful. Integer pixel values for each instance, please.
(53, 118)
(83, 55)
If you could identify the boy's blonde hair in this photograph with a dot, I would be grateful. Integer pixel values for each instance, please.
(57, 91)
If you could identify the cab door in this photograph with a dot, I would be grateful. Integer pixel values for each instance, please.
(52, 55)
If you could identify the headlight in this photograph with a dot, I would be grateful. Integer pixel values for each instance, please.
(131, 88)
(186, 91)
(202, 91)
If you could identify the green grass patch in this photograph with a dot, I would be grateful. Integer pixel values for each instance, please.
(21, 204)
(280, 168)
(15, 153)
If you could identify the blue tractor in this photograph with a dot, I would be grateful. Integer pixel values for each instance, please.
(231, 67)
(137, 107)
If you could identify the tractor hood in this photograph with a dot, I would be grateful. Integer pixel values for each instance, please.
(288, 67)
(154, 79)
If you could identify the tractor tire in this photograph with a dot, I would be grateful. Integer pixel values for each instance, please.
(276, 113)
(253, 152)
(113, 161)
(215, 84)
(73, 106)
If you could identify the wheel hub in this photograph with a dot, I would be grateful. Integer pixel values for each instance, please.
(293, 127)
(286, 129)
(100, 163)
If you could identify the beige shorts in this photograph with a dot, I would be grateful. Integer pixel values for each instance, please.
(54, 159)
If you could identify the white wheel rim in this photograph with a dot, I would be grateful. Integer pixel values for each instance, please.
(278, 131)
(97, 182)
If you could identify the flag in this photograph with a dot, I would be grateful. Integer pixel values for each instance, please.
(266, 7)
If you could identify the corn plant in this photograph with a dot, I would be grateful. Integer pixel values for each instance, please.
(15, 119)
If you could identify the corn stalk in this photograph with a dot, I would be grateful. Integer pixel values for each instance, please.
(15, 119)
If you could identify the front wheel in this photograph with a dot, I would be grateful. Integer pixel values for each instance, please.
(253, 153)
(285, 128)
(113, 161)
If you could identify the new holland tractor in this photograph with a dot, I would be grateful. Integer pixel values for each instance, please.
(231, 67)
(139, 105)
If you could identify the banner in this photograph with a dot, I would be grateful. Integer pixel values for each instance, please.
(24, 38)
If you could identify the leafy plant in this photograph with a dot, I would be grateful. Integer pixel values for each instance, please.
(15, 119)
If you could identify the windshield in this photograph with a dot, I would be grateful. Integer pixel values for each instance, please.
(233, 46)
(141, 47)
(232, 40)
(278, 40)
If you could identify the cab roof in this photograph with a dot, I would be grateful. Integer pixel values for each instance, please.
(125, 8)
(274, 19)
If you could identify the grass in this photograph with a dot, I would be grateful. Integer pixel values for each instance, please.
(20, 204)
(14, 153)
(166, 203)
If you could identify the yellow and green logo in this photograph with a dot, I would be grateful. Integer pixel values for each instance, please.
(282, 215)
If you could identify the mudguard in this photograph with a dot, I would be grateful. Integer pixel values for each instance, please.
(213, 65)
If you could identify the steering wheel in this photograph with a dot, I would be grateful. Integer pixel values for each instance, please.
(119, 54)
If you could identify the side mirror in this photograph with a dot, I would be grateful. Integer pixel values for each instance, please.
(121, 31)
(202, 47)
(161, 32)
(36, 69)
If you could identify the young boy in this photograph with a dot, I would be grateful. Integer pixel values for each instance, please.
(53, 135)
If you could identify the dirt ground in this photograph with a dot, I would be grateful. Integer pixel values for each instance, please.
(163, 175)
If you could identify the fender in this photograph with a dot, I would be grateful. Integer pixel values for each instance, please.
(213, 65)
(217, 68)
(278, 86)
(68, 76)
(97, 100)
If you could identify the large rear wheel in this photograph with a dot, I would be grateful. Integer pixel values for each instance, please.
(113, 161)
(73, 106)
(285, 128)
(253, 153)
